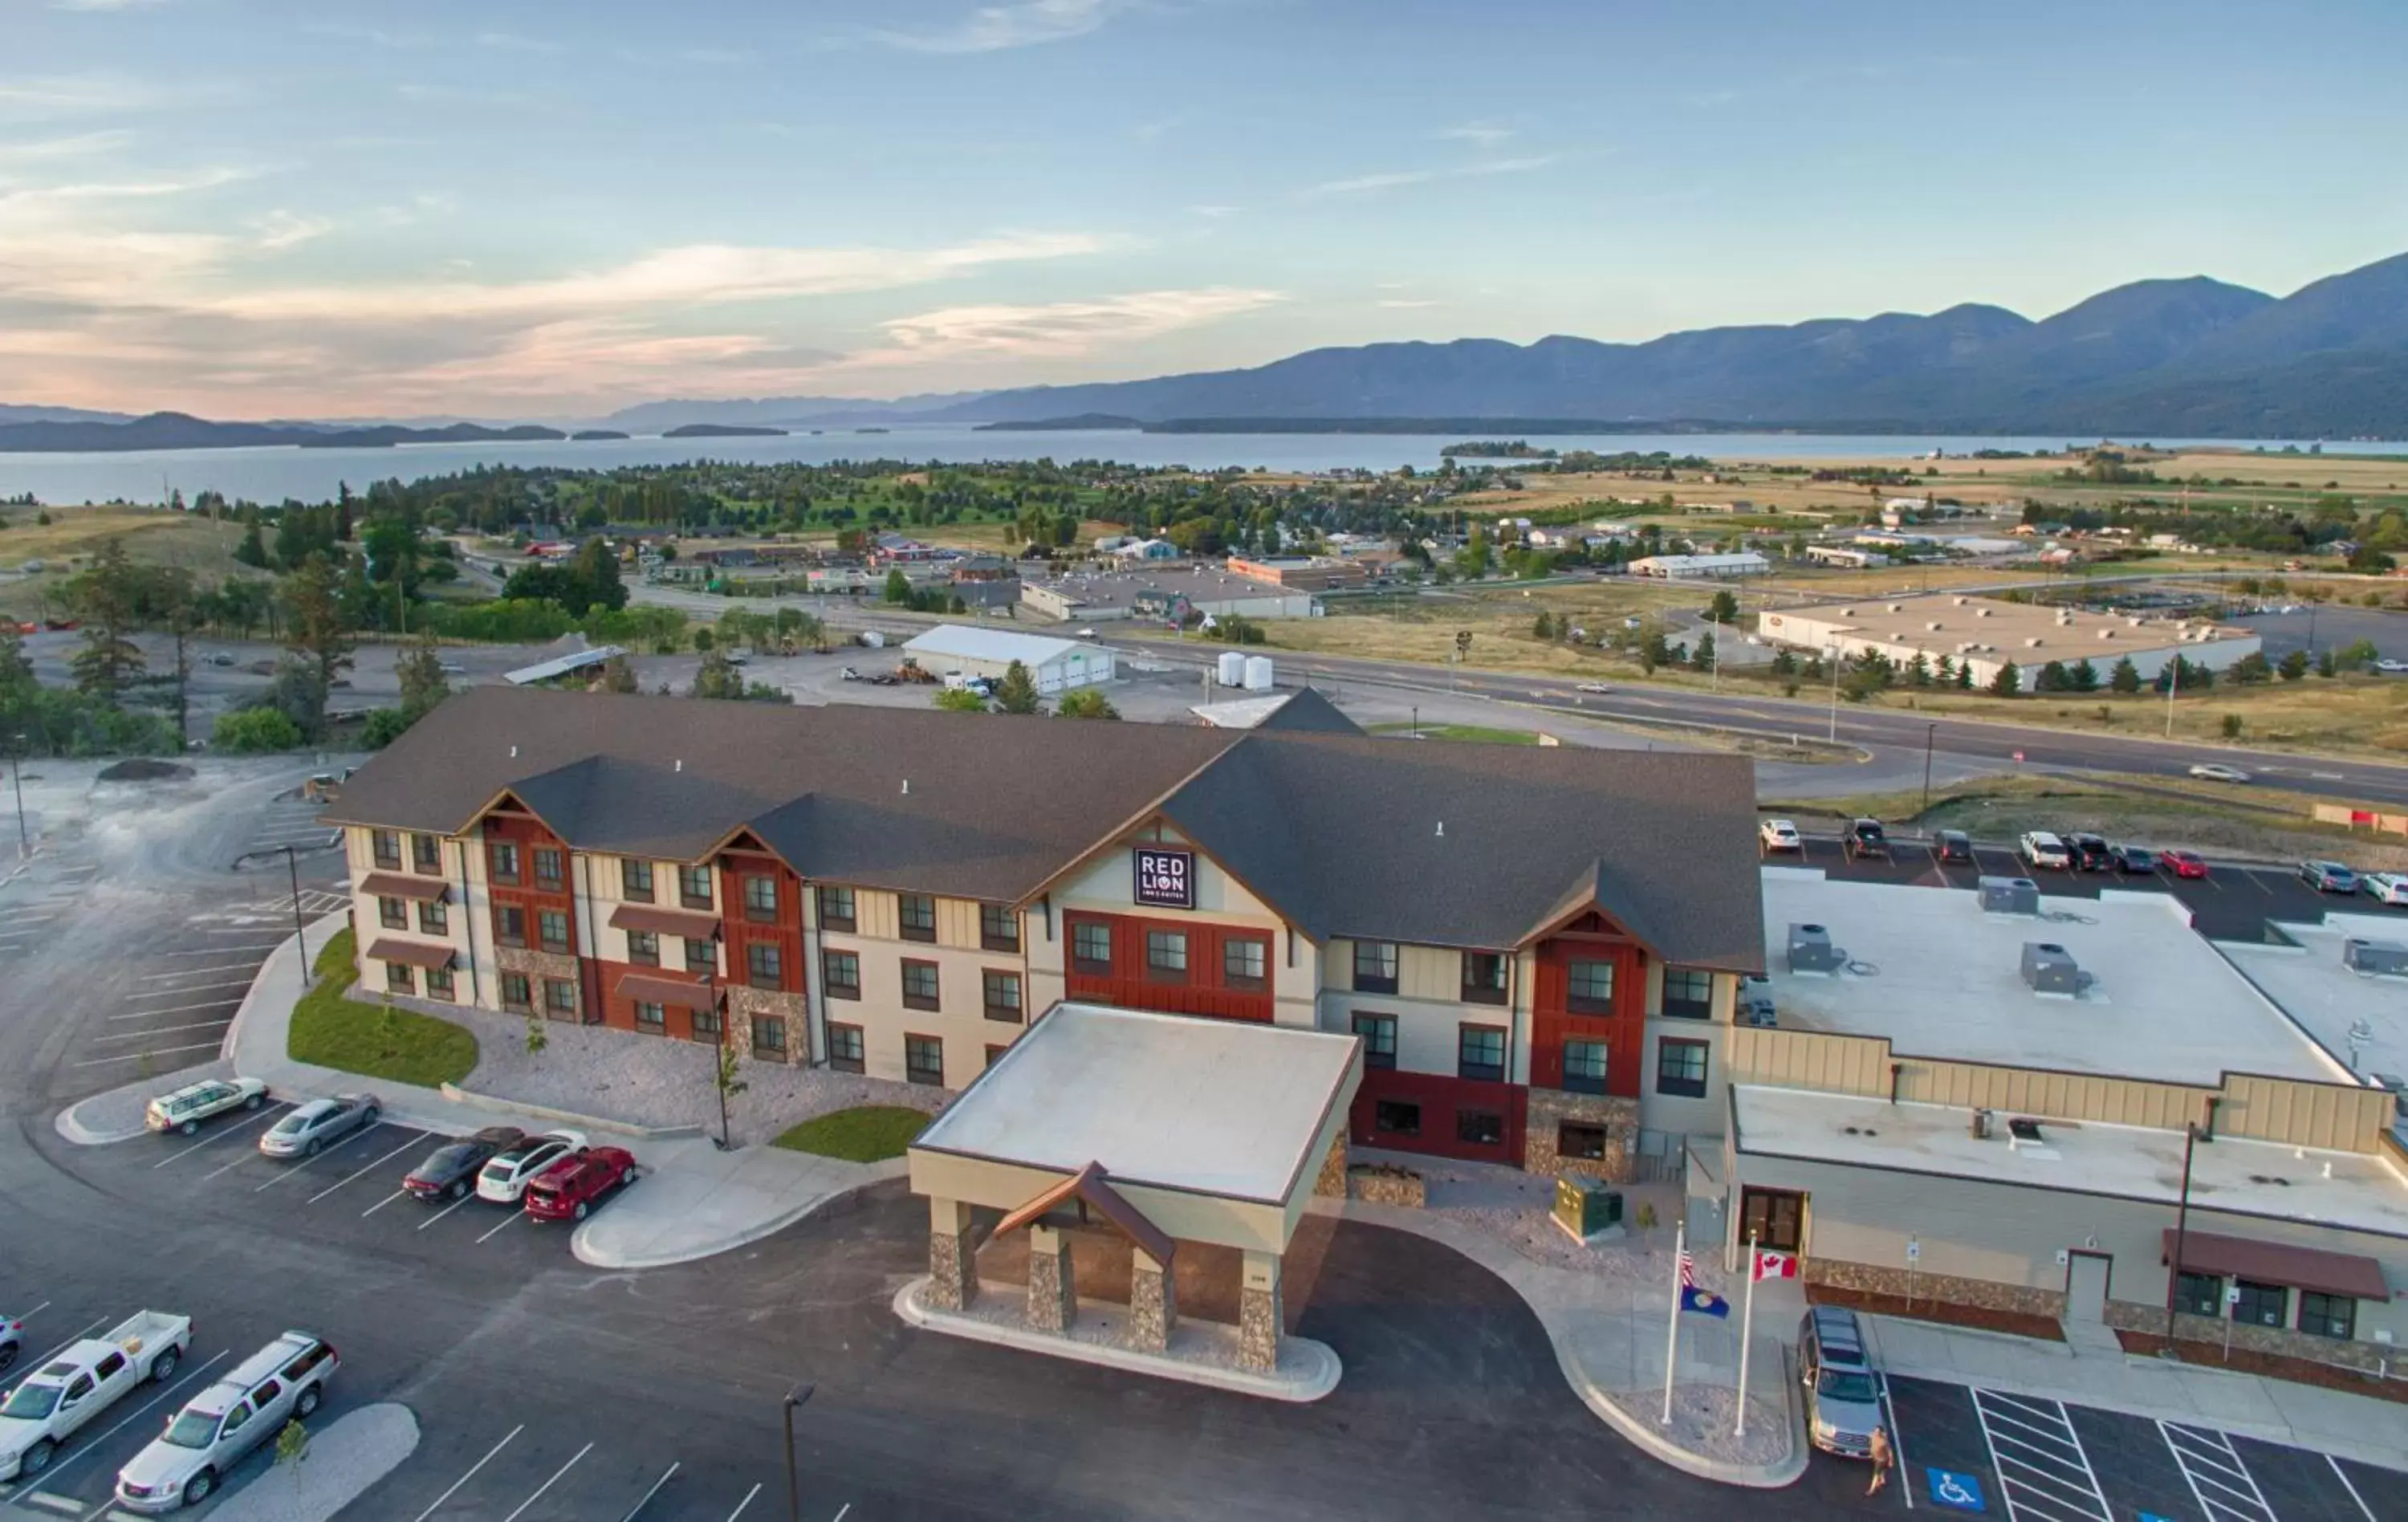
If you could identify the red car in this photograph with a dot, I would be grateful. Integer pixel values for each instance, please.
(573, 1185)
(2186, 863)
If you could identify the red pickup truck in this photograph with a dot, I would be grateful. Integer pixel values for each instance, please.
(570, 1187)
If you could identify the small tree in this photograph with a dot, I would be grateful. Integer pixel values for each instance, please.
(536, 1037)
(2327, 666)
(1964, 676)
(2294, 666)
(2085, 675)
(898, 586)
(2126, 677)
(1704, 659)
(1017, 694)
(1085, 703)
(960, 700)
(255, 730)
(1543, 627)
(292, 1445)
(2232, 727)
(422, 681)
(703, 640)
(717, 677)
(617, 676)
(1724, 608)
(2009, 682)
(2055, 678)
(728, 1077)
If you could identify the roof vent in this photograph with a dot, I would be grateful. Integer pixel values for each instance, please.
(1897, 608)
(1981, 613)
(1961, 602)
(679, 764)
(2033, 642)
(2106, 634)
(906, 787)
(1933, 626)
(1442, 829)
(2379, 957)
(1811, 950)
(2049, 968)
(514, 753)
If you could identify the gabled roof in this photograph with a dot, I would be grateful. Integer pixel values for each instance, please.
(1091, 1185)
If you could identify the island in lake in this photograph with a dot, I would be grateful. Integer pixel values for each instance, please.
(722, 430)
(1099, 422)
(584, 435)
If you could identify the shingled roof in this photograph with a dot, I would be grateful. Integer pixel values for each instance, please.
(1440, 843)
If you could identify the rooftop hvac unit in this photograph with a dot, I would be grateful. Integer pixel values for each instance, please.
(2049, 968)
(2106, 634)
(2034, 642)
(1811, 950)
(1897, 608)
(1933, 627)
(2010, 896)
(1960, 601)
(1231, 669)
(2384, 957)
(1847, 612)
(1258, 673)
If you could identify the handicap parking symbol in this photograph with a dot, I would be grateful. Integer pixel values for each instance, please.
(1958, 1492)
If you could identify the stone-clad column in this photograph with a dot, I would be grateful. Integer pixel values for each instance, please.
(1331, 1181)
(1053, 1296)
(1154, 1302)
(952, 1258)
(1258, 1312)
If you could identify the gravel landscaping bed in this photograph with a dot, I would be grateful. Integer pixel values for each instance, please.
(345, 1458)
(1518, 1209)
(1701, 1423)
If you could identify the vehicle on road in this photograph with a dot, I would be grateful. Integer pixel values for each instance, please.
(183, 1111)
(220, 658)
(2391, 667)
(573, 1185)
(450, 1171)
(2385, 888)
(82, 1380)
(2134, 858)
(1593, 687)
(12, 1341)
(1084, 634)
(1952, 845)
(1777, 834)
(849, 674)
(2185, 864)
(308, 1130)
(505, 1178)
(2328, 877)
(1844, 1390)
(183, 1465)
(2042, 848)
(881, 679)
(1867, 842)
(2216, 772)
(452, 668)
(2089, 852)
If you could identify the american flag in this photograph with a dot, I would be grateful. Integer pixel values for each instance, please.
(1688, 1271)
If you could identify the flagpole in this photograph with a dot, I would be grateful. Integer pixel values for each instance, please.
(1672, 1327)
(1746, 1326)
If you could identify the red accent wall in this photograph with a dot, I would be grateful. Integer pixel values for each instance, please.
(1624, 1031)
(785, 932)
(1440, 1098)
(619, 1011)
(1205, 992)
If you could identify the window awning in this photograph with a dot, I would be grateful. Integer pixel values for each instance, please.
(409, 953)
(675, 992)
(691, 925)
(2278, 1263)
(404, 885)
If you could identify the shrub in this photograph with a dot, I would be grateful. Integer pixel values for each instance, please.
(255, 730)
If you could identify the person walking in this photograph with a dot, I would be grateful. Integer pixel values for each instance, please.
(1878, 1450)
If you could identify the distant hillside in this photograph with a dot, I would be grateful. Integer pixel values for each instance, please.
(10, 415)
(176, 430)
(659, 417)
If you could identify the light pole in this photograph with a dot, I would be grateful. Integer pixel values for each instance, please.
(293, 871)
(1835, 694)
(2182, 1232)
(17, 771)
(794, 1397)
(1930, 732)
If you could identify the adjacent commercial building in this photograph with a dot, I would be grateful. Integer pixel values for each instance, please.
(1056, 666)
(1988, 635)
(1301, 573)
(1678, 568)
(1168, 593)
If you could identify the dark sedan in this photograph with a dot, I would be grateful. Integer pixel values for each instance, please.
(2137, 859)
(2091, 852)
(451, 1170)
(1952, 845)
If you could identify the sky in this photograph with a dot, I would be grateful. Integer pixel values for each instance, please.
(539, 208)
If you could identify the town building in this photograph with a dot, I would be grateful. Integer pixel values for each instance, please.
(1167, 594)
(1988, 635)
(1056, 666)
(1303, 709)
(1675, 568)
(1847, 556)
(1302, 573)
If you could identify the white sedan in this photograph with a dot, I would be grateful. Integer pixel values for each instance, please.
(2216, 772)
(2385, 887)
(1779, 835)
(504, 1177)
(1593, 687)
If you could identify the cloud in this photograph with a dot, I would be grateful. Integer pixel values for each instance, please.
(101, 5)
(1486, 133)
(516, 43)
(1400, 305)
(1361, 185)
(1063, 328)
(281, 229)
(43, 96)
(995, 28)
(52, 149)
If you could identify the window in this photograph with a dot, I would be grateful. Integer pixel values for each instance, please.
(2327, 1315)
(1000, 992)
(399, 978)
(1483, 977)
(761, 899)
(995, 1054)
(1479, 1052)
(999, 927)
(694, 886)
(433, 918)
(701, 956)
(844, 1048)
(552, 928)
(1379, 1033)
(1583, 1144)
(1398, 1117)
(1688, 993)
(550, 867)
(1091, 947)
(916, 914)
(510, 925)
(559, 997)
(918, 985)
(1585, 1067)
(392, 913)
(1375, 967)
(385, 845)
(505, 858)
(840, 972)
(651, 1018)
(763, 966)
(770, 1037)
(835, 909)
(2199, 1294)
(1681, 1068)
(924, 1061)
(515, 992)
(1589, 988)
(1480, 1127)
(707, 1025)
(1243, 962)
(2262, 1305)
(635, 880)
(1166, 956)
(644, 948)
(426, 854)
(439, 983)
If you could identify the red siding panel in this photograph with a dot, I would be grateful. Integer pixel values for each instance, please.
(1442, 1102)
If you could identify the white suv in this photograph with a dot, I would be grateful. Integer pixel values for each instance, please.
(283, 1381)
(2041, 847)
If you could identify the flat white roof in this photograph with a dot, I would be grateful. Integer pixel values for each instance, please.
(1216, 1107)
(1942, 979)
(964, 642)
(2132, 1162)
(1239, 712)
(2328, 998)
(560, 666)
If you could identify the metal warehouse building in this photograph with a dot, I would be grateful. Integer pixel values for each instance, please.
(1056, 664)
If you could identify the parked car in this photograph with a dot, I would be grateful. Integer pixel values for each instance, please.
(306, 1131)
(2385, 888)
(2185, 863)
(1865, 840)
(450, 1171)
(573, 1185)
(183, 1466)
(220, 658)
(2134, 858)
(2042, 848)
(80, 1382)
(2328, 877)
(2389, 666)
(183, 1111)
(12, 1341)
(2089, 852)
(504, 1179)
(1777, 834)
(1952, 845)
(1844, 1390)
(2216, 772)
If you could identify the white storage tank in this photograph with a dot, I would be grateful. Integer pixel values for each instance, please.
(1233, 669)
(1258, 673)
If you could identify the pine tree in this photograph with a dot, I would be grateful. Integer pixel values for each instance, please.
(107, 598)
(2009, 682)
(423, 684)
(1964, 676)
(1017, 692)
(2126, 677)
(2085, 676)
(2294, 667)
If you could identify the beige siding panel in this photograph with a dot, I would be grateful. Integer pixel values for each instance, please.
(1424, 972)
(2120, 1102)
(1336, 965)
(957, 923)
(874, 915)
(1809, 1059)
(2304, 1115)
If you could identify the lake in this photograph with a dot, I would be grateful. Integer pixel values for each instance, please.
(271, 475)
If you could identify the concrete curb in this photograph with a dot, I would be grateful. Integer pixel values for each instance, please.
(1319, 1376)
(571, 1117)
(585, 1253)
(345, 1458)
(84, 1136)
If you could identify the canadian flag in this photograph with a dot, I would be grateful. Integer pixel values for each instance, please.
(1773, 1264)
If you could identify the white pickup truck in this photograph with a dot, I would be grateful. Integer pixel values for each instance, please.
(82, 1380)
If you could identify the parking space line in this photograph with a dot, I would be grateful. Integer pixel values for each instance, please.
(199, 971)
(85, 1450)
(548, 1484)
(180, 1009)
(1898, 1447)
(218, 951)
(162, 1051)
(2207, 1456)
(746, 1501)
(163, 1030)
(2342, 1475)
(382, 1203)
(841, 1512)
(70, 1342)
(2042, 1468)
(448, 1210)
(265, 1112)
(195, 988)
(650, 1494)
(471, 1475)
(507, 1220)
(386, 1159)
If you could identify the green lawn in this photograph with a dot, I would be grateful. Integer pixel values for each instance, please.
(870, 1134)
(401, 1045)
(1482, 733)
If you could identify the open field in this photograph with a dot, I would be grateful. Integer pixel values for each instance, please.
(151, 537)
